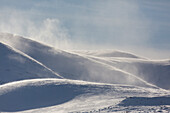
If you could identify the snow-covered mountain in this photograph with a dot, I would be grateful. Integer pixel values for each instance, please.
(35, 77)
(72, 66)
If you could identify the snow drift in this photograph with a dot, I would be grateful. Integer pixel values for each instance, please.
(44, 93)
(31, 94)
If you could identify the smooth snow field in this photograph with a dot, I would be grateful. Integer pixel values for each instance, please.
(37, 78)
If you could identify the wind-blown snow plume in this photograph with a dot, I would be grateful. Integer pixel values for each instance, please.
(48, 31)
(119, 22)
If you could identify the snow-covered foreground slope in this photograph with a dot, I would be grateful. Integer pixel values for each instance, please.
(14, 66)
(62, 96)
(72, 66)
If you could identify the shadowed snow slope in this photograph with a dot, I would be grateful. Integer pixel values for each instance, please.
(38, 93)
(146, 101)
(70, 65)
(14, 65)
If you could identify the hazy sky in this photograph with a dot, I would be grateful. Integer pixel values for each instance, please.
(142, 25)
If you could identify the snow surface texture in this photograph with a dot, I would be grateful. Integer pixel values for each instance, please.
(113, 81)
(68, 96)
